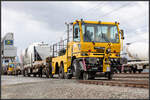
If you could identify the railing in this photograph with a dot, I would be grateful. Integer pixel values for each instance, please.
(58, 47)
(61, 47)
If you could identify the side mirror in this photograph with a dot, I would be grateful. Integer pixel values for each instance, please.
(76, 33)
(122, 34)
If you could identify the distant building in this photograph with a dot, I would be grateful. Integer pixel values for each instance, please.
(8, 50)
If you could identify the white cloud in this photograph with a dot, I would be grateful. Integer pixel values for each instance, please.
(26, 29)
(34, 22)
(137, 37)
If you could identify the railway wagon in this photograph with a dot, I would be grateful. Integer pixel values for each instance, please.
(135, 57)
(35, 60)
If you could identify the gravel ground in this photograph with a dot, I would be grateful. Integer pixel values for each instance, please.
(18, 87)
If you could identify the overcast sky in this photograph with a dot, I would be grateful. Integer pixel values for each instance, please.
(45, 21)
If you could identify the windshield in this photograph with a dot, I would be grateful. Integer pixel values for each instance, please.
(100, 33)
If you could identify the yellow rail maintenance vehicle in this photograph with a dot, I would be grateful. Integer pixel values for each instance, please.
(10, 68)
(93, 51)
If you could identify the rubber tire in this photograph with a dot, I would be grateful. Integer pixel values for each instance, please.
(77, 69)
(47, 72)
(85, 76)
(50, 71)
(61, 72)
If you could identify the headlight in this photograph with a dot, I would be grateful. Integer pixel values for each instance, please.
(108, 50)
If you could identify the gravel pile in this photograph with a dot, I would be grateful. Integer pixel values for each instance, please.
(68, 89)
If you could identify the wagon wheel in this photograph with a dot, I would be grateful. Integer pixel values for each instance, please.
(67, 76)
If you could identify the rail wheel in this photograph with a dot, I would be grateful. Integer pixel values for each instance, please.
(61, 72)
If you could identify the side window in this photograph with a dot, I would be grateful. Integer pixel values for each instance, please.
(76, 33)
(114, 34)
(89, 36)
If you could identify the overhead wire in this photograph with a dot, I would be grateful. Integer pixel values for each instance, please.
(106, 14)
(116, 9)
(92, 7)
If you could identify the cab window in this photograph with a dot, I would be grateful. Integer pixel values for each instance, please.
(76, 34)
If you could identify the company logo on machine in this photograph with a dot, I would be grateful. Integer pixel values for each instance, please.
(8, 42)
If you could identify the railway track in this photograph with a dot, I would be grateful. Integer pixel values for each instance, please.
(144, 73)
(146, 77)
(124, 79)
(123, 83)
(123, 75)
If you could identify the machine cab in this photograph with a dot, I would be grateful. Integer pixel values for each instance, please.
(92, 35)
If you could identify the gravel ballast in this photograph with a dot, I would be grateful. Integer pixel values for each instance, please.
(14, 87)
